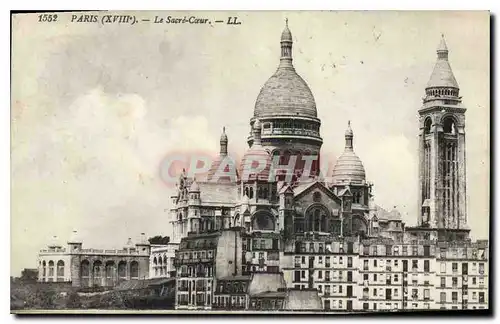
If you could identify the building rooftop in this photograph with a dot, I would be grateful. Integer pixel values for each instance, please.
(302, 300)
(264, 282)
(237, 278)
(270, 294)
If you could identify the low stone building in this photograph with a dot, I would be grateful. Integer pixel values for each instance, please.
(88, 267)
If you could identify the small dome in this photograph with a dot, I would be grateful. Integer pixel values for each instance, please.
(253, 159)
(255, 156)
(129, 243)
(348, 167)
(194, 186)
(54, 242)
(226, 174)
(74, 238)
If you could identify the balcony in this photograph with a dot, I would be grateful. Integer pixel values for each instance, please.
(289, 131)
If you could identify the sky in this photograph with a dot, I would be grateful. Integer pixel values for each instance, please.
(95, 108)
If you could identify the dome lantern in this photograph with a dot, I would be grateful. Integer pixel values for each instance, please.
(223, 142)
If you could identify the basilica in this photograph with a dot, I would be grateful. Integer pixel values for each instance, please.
(277, 235)
(287, 196)
(271, 233)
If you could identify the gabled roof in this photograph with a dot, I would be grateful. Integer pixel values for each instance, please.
(286, 189)
(384, 215)
(345, 192)
(302, 190)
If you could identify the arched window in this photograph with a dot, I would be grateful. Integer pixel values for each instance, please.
(262, 220)
(44, 265)
(286, 158)
(97, 273)
(85, 273)
(251, 193)
(316, 218)
(427, 126)
(449, 125)
(51, 268)
(155, 261)
(160, 265)
(359, 226)
(110, 273)
(134, 270)
(60, 268)
(122, 270)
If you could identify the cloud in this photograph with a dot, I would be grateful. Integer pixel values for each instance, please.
(94, 166)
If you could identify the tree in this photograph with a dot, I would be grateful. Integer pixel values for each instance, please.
(73, 301)
(158, 239)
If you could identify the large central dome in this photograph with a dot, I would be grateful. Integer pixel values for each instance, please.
(285, 93)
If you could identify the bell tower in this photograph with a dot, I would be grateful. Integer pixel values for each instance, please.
(442, 185)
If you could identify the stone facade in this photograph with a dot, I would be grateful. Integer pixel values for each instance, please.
(162, 260)
(93, 267)
(328, 238)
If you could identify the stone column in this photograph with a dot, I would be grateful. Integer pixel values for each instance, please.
(74, 263)
(421, 168)
(462, 188)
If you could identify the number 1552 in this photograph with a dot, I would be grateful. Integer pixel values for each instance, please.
(47, 18)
